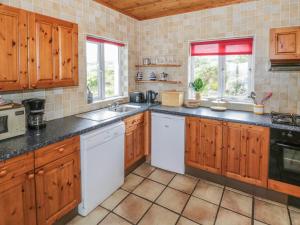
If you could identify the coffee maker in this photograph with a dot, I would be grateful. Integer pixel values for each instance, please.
(35, 108)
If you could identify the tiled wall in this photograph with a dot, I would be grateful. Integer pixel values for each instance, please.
(92, 18)
(170, 36)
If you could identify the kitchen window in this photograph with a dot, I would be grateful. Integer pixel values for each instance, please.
(225, 66)
(103, 68)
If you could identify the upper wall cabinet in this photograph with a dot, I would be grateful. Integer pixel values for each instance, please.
(13, 49)
(285, 44)
(53, 52)
(36, 51)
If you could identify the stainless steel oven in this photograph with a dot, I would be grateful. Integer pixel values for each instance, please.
(284, 163)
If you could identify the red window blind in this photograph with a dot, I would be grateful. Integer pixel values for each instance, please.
(223, 47)
(100, 40)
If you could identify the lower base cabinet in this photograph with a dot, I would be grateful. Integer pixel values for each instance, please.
(41, 187)
(135, 139)
(17, 191)
(235, 150)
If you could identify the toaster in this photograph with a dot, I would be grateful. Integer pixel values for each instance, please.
(137, 97)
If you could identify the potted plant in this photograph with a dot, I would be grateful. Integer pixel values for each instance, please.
(197, 86)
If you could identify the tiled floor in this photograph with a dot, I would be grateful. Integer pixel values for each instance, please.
(152, 196)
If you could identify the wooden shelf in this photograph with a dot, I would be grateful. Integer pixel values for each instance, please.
(159, 81)
(159, 65)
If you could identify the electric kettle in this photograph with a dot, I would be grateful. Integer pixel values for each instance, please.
(151, 96)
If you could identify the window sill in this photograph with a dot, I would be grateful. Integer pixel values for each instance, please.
(109, 100)
(241, 106)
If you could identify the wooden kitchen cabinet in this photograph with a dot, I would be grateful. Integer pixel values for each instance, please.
(285, 44)
(135, 144)
(204, 144)
(13, 49)
(53, 52)
(36, 51)
(246, 153)
(57, 180)
(17, 191)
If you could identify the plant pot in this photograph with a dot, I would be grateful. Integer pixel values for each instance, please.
(198, 95)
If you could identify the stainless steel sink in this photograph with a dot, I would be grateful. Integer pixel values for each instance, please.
(108, 113)
(124, 108)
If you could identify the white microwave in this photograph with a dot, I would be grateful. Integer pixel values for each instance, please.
(12, 122)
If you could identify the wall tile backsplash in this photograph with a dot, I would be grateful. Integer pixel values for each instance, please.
(170, 37)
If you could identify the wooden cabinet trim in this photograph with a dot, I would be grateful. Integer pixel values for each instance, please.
(288, 189)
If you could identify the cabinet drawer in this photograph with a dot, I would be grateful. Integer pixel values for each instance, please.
(17, 166)
(55, 151)
(132, 122)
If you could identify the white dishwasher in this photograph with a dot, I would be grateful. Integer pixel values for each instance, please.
(167, 144)
(102, 165)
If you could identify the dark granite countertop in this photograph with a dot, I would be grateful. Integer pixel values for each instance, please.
(56, 130)
(60, 129)
(228, 115)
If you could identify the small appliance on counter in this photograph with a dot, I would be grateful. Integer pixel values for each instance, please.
(12, 121)
(35, 108)
(172, 98)
(136, 97)
(151, 96)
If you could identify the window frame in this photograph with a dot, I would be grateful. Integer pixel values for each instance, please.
(221, 77)
(101, 72)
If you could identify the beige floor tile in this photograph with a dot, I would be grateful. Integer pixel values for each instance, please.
(238, 191)
(161, 176)
(131, 182)
(92, 219)
(149, 189)
(227, 217)
(258, 223)
(237, 202)
(113, 219)
(200, 211)
(111, 202)
(159, 216)
(173, 200)
(132, 208)
(184, 221)
(270, 213)
(144, 170)
(208, 192)
(184, 183)
(295, 217)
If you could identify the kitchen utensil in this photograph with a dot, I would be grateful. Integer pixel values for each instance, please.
(139, 76)
(146, 61)
(266, 97)
(163, 76)
(152, 76)
(253, 97)
(258, 109)
(151, 96)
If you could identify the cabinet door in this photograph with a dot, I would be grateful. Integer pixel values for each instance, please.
(204, 144)
(57, 188)
(13, 49)
(139, 146)
(53, 55)
(246, 153)
(285, 43)
(17, 201)
(129, 148)
(211, 145)
(192, 149)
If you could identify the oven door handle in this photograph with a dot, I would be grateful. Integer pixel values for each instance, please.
(295, 147)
